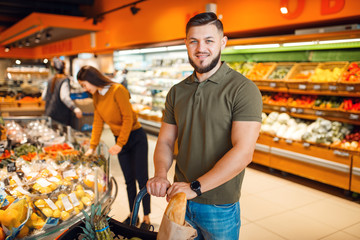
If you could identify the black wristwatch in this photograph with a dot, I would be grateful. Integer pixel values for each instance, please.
(196, 187)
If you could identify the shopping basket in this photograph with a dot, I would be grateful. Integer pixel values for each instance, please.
(118, 228)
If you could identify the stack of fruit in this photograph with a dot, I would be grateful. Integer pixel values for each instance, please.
(352, 105)
(352, 74)
(328, 103)
(325, 75)
(302, 101)
(259, 71)
(350, 142)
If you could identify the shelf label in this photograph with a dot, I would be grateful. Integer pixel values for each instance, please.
(293, 110)
(11, 167)
(353, 116)
(273, 85)
(306, 145)
(276, 139)
(289, 141)
(319, 113)
(341, 154)
(350, 88)
(283, 109)
(317, 87)
(300, 110)
(302, 86)
(332, 88)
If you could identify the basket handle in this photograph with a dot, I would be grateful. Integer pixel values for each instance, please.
(136, 206)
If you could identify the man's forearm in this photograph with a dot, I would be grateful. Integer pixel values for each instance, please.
(163, 158)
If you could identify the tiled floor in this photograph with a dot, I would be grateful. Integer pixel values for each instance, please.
(272, 207)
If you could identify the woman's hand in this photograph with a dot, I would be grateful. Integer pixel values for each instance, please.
(78, 112)
(89, 152)
(115, 149)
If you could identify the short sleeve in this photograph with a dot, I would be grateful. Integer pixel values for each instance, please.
(248, 103)
(169, 116)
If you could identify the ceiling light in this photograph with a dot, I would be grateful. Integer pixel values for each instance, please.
(27, 42)
(275, 45)
(293, 44)
(17, 61)
(151, 50)
(340, 41)
(174, 48)
(45, 61)
(134, 10)
(284, 10)
(7, 49)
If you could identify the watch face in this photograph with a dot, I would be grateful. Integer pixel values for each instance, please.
(195, 185)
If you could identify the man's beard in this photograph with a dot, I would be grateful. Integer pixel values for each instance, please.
(207, 68)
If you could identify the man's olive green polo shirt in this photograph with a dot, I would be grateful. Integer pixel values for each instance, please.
(203, 113)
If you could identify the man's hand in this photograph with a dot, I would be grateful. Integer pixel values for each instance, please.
(157, 186)
(180, 187)
(89, 152)
(115, 149)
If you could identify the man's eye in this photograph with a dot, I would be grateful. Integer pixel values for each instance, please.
(209, 41)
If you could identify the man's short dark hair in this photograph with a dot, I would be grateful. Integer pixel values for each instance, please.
(204, 19)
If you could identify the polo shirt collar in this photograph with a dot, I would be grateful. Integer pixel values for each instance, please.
(215, 78)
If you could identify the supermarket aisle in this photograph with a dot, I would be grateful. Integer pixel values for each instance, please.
(272, 208)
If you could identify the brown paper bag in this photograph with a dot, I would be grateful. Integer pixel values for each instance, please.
(170, 230)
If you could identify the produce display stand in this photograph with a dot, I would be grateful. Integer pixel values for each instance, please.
(111, 186)
(118, 228)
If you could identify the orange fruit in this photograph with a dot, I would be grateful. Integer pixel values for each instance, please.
(23, 232)
(2, 234)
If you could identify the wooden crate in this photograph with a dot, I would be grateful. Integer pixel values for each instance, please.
(355, 174)
(259, 77)
(300, 68)
(344, 86)
(328, 85)
(275, 82)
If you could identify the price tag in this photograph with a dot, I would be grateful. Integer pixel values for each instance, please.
(276, 139)
(11, 167)
(300, 110)
(332, 88)
(283, 109)
(51, 203)
(74, 199)
(306, 145)
(43, 182)
(293, 110)
(317, 87)
(302, 86)
(350, 88)
(67, 204)
(69, 173)
(289, 141)
(273, 85)
(353, 117)
(319, 113)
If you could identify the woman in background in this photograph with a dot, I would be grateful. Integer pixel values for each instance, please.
(59, 105)
(112, 106)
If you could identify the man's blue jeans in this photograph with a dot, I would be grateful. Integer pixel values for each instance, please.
(216, 222)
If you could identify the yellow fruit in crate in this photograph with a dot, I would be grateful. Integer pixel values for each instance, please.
(56, 213)
(34, 217)
(76, 210)
(40, 203)
(88, 182)
(61, 196)
(37, 187)
(12, 182)
(53, 186)
(10, 217)
(67, 183)
(81, 206)
(39, 223)
(45, 173)
(45, 190)
(79, 187)
(47, 211)
(23, 232)
(59, 204)
(64, 215)
(86, 201)
(79, 193)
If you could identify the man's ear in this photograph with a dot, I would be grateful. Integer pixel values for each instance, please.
(223, 42)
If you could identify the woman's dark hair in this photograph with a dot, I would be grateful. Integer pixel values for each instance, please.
(93, 76)
(204, 19)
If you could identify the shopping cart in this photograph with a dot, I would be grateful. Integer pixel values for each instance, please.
(118, 228)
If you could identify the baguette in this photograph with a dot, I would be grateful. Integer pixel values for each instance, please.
(176, 208)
